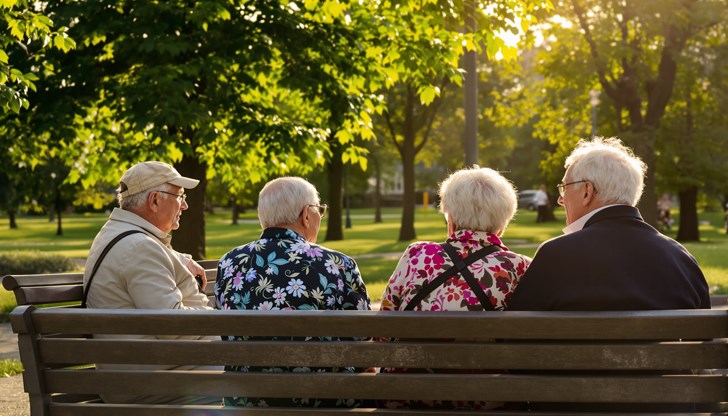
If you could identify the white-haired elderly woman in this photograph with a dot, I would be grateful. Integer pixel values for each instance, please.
(286, 270)
(472, 270)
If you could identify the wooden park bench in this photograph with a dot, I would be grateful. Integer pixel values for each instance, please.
(555, 360)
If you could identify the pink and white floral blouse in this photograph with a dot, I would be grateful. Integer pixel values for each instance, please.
(498, 274)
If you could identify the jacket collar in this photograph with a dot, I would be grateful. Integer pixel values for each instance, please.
(129, 217)
(616, 211)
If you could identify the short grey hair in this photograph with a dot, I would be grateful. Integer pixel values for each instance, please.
(138, 199)
(282, 200)
(616, 173)
(478, 199)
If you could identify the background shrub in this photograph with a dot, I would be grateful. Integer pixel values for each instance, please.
(34, 262)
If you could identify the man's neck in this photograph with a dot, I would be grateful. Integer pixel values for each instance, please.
(581, 222)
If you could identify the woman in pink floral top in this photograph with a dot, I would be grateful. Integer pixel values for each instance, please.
(478, 203)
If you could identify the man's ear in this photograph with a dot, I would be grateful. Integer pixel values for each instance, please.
(153, 201)
(588, 193)
(304, 218)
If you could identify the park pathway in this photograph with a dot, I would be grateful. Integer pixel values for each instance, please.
(13, 400)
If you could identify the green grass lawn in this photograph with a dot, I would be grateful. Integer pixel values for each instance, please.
(374, 246)
(10, 368)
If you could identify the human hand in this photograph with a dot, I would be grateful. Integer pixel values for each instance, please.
(198, 270)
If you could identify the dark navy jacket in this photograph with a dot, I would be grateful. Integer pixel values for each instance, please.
(616, 262)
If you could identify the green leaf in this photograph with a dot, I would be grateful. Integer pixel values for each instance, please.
(428, 94)
(58, 42)
(44, 20)
(8, 4)
(333, 9)
(344, 136)
(14, 104)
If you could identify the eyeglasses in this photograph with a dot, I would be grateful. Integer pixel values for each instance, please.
(180, 197)
(321, 209)
(562, 186)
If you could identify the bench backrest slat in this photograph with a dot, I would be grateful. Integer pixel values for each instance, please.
(487, 355)
(63, 288)
(496, 387)
(656, 325)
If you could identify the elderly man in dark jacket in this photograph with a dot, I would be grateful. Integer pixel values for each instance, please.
(608, 257)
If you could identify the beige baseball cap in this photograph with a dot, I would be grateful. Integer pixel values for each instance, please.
(147, 175)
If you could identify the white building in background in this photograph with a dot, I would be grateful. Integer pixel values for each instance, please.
(392, 186)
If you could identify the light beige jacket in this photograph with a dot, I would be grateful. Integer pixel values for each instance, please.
(141, 271)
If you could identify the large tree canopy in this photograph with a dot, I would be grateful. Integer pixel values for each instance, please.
(25, 35)
(240, 90)
(629, 51)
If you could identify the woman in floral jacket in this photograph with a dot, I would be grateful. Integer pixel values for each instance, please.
(478, 203)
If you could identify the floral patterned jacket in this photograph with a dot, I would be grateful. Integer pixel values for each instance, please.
(283, 271)
(498, 274)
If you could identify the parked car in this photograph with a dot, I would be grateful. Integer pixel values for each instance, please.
(527, 199)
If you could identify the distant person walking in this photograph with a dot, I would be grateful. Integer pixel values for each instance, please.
(663, 212)
(542, 204)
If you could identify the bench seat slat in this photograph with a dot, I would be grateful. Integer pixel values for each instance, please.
(497, 387)
(168, 410)
(501, 355)
(668, 325)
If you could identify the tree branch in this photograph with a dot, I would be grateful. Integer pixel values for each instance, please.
(609, 89)
(392, 134)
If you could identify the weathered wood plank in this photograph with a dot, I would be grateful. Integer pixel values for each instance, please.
(166, 410)
(12, 282)
(657, 325)
(43, 289)
(495, 387)
(501, 355)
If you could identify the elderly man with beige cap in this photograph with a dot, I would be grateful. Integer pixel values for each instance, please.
(131, 264)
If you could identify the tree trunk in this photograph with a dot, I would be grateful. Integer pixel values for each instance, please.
(236, 210)
(11, 218)
(407, 229)
(553, 203)
(724, 207)
(407, 153)
(377, 191)
(688, 230)
(190, 237)
(648, 203)
(59, 208)
(334, 229)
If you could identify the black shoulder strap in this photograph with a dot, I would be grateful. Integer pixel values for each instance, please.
(459, 266)
(101, 257)
(468, 275)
